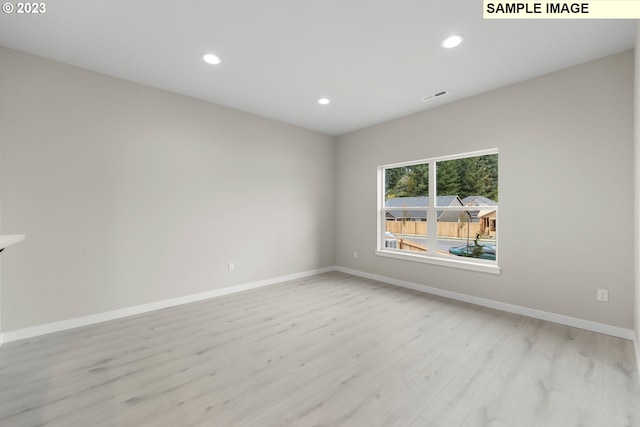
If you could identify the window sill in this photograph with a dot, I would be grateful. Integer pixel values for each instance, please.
(453, 263)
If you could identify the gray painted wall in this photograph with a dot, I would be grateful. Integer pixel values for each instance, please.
(130, 195)
(566, 189)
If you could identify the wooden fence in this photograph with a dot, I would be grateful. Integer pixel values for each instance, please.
(410, 245)
(445, 229)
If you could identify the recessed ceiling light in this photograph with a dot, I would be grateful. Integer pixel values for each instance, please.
(323, 101)
(210, 58)
(452, 41)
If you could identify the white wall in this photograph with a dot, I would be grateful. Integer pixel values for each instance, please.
(566, 168)
(130, 195)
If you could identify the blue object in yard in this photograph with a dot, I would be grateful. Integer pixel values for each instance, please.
(488, 251)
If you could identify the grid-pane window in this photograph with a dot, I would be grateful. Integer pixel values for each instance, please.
(405, 207)
(443, 209)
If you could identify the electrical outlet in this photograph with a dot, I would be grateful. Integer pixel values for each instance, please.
(232, 266)
(355, 254)
(603, 295)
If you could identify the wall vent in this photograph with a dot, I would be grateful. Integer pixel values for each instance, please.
(434, 95)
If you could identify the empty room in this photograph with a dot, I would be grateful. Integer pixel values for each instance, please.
(299, 213)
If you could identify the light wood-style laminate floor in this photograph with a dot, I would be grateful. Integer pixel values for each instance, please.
(329, 350)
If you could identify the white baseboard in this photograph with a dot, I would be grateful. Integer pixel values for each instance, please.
(130, 311)
(615, 331)
(48, 328)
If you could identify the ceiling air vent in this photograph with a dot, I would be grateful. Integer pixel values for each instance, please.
(434, 95)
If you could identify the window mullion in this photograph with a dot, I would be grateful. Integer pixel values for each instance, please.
(432, 213)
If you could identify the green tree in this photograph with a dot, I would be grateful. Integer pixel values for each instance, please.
(490, 164)
(419, 175)
(404, 187)
(474, 175)
(448, 178)
(391, 178)
(471, 176)
(407, 181)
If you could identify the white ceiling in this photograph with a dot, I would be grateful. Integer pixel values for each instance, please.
(374, 59)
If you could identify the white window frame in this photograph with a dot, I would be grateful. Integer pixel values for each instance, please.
(432, 257)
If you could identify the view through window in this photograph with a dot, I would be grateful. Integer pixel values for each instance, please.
(459, 223)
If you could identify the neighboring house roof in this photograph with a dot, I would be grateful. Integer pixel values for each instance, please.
(422, 202)
(478, 201)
